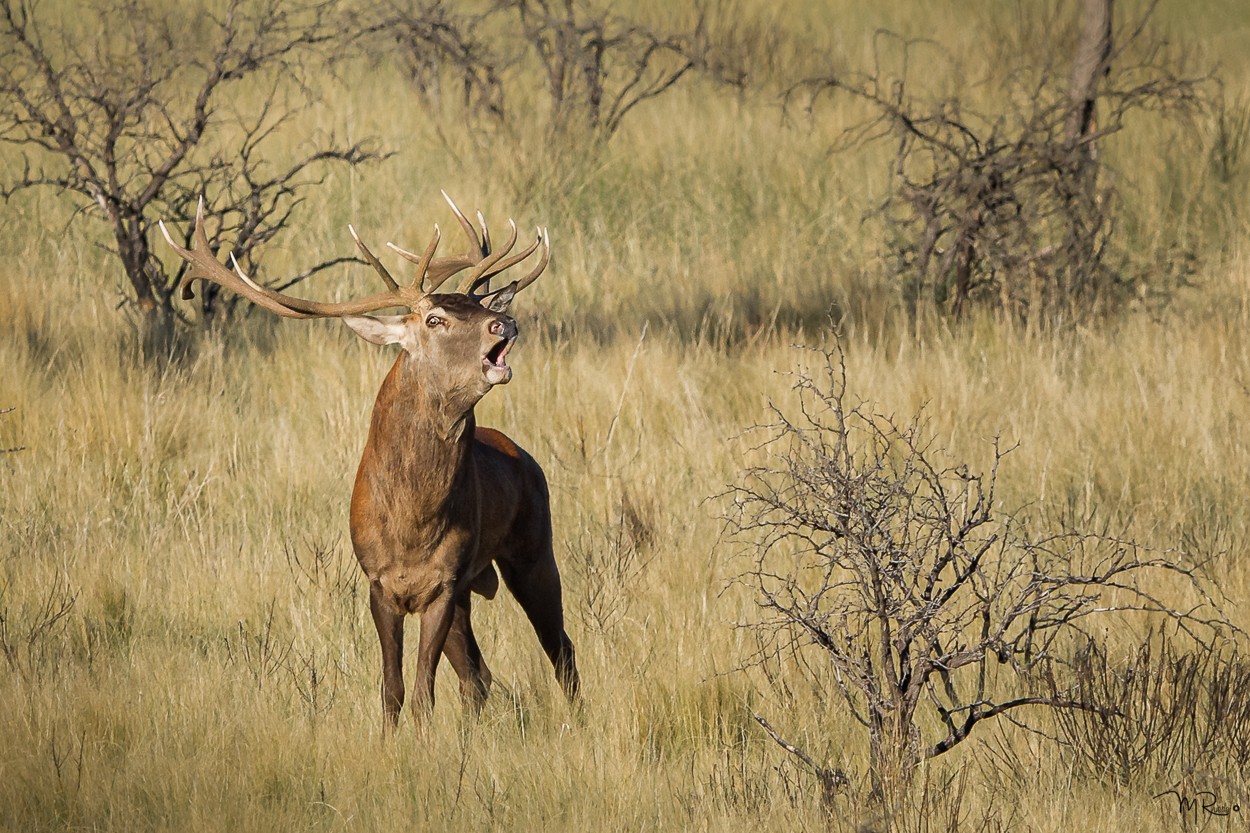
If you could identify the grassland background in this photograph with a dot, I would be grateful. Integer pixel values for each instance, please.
(218, 667)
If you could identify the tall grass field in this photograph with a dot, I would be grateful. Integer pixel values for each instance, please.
(188, 644)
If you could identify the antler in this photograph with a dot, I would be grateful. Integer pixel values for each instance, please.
(486, 264)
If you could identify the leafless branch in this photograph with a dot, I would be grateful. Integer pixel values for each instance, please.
(832, 781)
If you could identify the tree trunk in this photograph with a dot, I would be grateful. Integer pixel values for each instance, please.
(894, 752)
(1092, 62)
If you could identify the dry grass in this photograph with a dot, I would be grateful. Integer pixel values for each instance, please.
(215, 665)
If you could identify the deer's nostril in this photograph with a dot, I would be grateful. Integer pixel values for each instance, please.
(496, 327)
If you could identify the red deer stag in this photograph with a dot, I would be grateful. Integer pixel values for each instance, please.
(437, 499)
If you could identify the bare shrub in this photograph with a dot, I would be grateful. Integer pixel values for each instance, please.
(316, 679)
(318, 567)
(1010, 203)
(436, 40)
(940, 804)
(1166, 712)
(29, 632)
(596, 64)
(935, 609)
(260, 649)
(133, 108)
(1229, 141)
(608, 560)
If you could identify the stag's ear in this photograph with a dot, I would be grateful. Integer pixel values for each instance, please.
(378, 329)
(502, 298)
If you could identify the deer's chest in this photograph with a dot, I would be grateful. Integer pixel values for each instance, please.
(414, 569)
(415, 516)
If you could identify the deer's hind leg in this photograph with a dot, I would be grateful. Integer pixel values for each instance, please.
(536, 586)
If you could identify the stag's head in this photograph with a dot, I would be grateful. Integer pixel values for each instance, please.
(461, 338)
(461, 344)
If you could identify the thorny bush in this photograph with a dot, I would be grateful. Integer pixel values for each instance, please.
(935, 609)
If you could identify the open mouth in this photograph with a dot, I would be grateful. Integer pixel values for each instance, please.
(496, 356)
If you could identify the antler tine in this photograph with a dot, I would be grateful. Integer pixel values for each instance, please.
(422, 260)
(506, 264)
(468, 229)
(243, 276)
(481, 224)
(510, 290)
(542, 262)
(204, 266)
(373, 261)
(478, 274)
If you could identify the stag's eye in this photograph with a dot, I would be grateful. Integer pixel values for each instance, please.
(433, 321)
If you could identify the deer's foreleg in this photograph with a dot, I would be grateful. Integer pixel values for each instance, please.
(436, 622)
(390, 624)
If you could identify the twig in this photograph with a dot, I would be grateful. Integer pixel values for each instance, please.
(15, 448)
(832, 781)
(629, 373)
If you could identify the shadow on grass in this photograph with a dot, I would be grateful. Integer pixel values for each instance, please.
(162, 344)
(730, 322)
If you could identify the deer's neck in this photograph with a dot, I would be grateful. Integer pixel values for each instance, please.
(420, 440)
